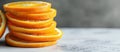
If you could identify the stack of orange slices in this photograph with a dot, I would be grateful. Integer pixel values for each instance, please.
(31, 24)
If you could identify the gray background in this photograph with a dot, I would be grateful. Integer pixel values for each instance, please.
(85, 13)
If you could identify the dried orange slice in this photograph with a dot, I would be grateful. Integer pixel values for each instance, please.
(34, 16)
(27, 6)
(46, 30)
(29, 24)
(13, 41)
(35, 38)
(2, 23)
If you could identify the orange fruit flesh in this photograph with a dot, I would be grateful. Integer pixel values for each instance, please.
(28, 6)
(35, 38)
(2, 23)
(13, 41)
(33, 16)
(29, 24)
(46, 30)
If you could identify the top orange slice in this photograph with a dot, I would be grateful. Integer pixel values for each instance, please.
(28, 6)
(2, 23)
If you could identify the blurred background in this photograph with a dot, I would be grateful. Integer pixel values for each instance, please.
(84, 13)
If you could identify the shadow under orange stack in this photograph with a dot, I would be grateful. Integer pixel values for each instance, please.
(31, 24)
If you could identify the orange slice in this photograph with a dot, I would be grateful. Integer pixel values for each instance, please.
(46, 30)
(34, 16)
(34, 38)
(27, 6)
(2, 23)
(29, 24)
(13, 41)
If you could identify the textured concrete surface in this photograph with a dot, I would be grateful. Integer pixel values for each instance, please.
(85, 13)
(77, 40)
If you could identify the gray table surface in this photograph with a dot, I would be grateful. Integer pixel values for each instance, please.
(77, 40)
